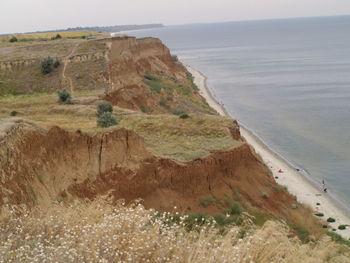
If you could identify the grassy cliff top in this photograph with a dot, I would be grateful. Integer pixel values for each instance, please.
(165, 134)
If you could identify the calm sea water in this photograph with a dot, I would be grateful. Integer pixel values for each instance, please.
(286, 80)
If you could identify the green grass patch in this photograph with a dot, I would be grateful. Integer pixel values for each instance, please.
(151, 77)
(338, 238)
(205, 202)
(170, 136)
(302, 233)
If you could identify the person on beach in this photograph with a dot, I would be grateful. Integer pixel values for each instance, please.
(324, 186)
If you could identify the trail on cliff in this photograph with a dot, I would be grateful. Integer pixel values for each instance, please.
(65, 63)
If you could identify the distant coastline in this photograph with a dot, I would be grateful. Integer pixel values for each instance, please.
(107, 29)
(297, 183)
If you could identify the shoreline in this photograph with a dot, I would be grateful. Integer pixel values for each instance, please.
(297, 184)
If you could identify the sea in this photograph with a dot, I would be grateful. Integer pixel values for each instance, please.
(286, 80)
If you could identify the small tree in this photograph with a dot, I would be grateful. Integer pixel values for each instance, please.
(64, 96)
(106, 119)
(13, 39)
(56, 64)
(46, 65)
(104, 106)
(58, 36)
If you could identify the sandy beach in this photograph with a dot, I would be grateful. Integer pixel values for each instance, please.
(296, 183)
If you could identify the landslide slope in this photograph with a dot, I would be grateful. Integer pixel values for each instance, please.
(40, 167)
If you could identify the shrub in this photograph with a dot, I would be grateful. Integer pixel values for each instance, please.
(13, 39)
(106, 119)
(235, 194)
(330, 220)
(324, 226)
(150, 77)
(220, 220)
(178, 112)
(235, 209)
(144, 109)
(56, 64)
(189, 76)
(184, 116)
(64, 96)
(175, 58)
(104, 106)
(13, 113)
(194, 220)
(58, 36)
(342, 227)
(46, 65)
(205, 202)
(319, 214)
(318, 204)
(265, 195)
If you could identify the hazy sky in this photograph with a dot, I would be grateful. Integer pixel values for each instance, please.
(32, 15)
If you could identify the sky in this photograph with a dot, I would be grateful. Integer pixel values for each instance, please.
(33, 15)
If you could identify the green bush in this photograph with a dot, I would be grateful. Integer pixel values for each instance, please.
(178, 112)
(58, 36)
(150, 77)
(265, 195)
(64, 96)
(330, 220)
(13, 113)
(189, 76)
(220, 220)
(56, 64)
(235, 209)
(13, 39)
(235, 194)
(342, 227)
(319, 214)
(46, 65)
(144, 109)
(175, 58)
(184, 116)
(195, 220)
(106, 119)
(104, 106)
(205, 202)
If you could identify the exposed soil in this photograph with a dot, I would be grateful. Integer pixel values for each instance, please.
(40, 166)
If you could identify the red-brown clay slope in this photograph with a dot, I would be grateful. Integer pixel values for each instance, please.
(38, 167)
(129, 60)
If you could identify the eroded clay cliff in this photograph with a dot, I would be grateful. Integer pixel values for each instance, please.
(38, 167)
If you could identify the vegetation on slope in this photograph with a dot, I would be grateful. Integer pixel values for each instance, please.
(99, 232)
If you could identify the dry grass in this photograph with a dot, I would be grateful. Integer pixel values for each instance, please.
(49, 35)
(45, 109)
(98, 232)
(182, 139)
(165, 135)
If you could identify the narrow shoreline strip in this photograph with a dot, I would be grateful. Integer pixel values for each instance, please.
(296, 183)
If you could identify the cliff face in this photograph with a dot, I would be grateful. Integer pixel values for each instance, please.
(117, 66)
(38, 167)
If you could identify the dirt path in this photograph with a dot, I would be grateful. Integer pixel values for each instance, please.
(65, 63)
